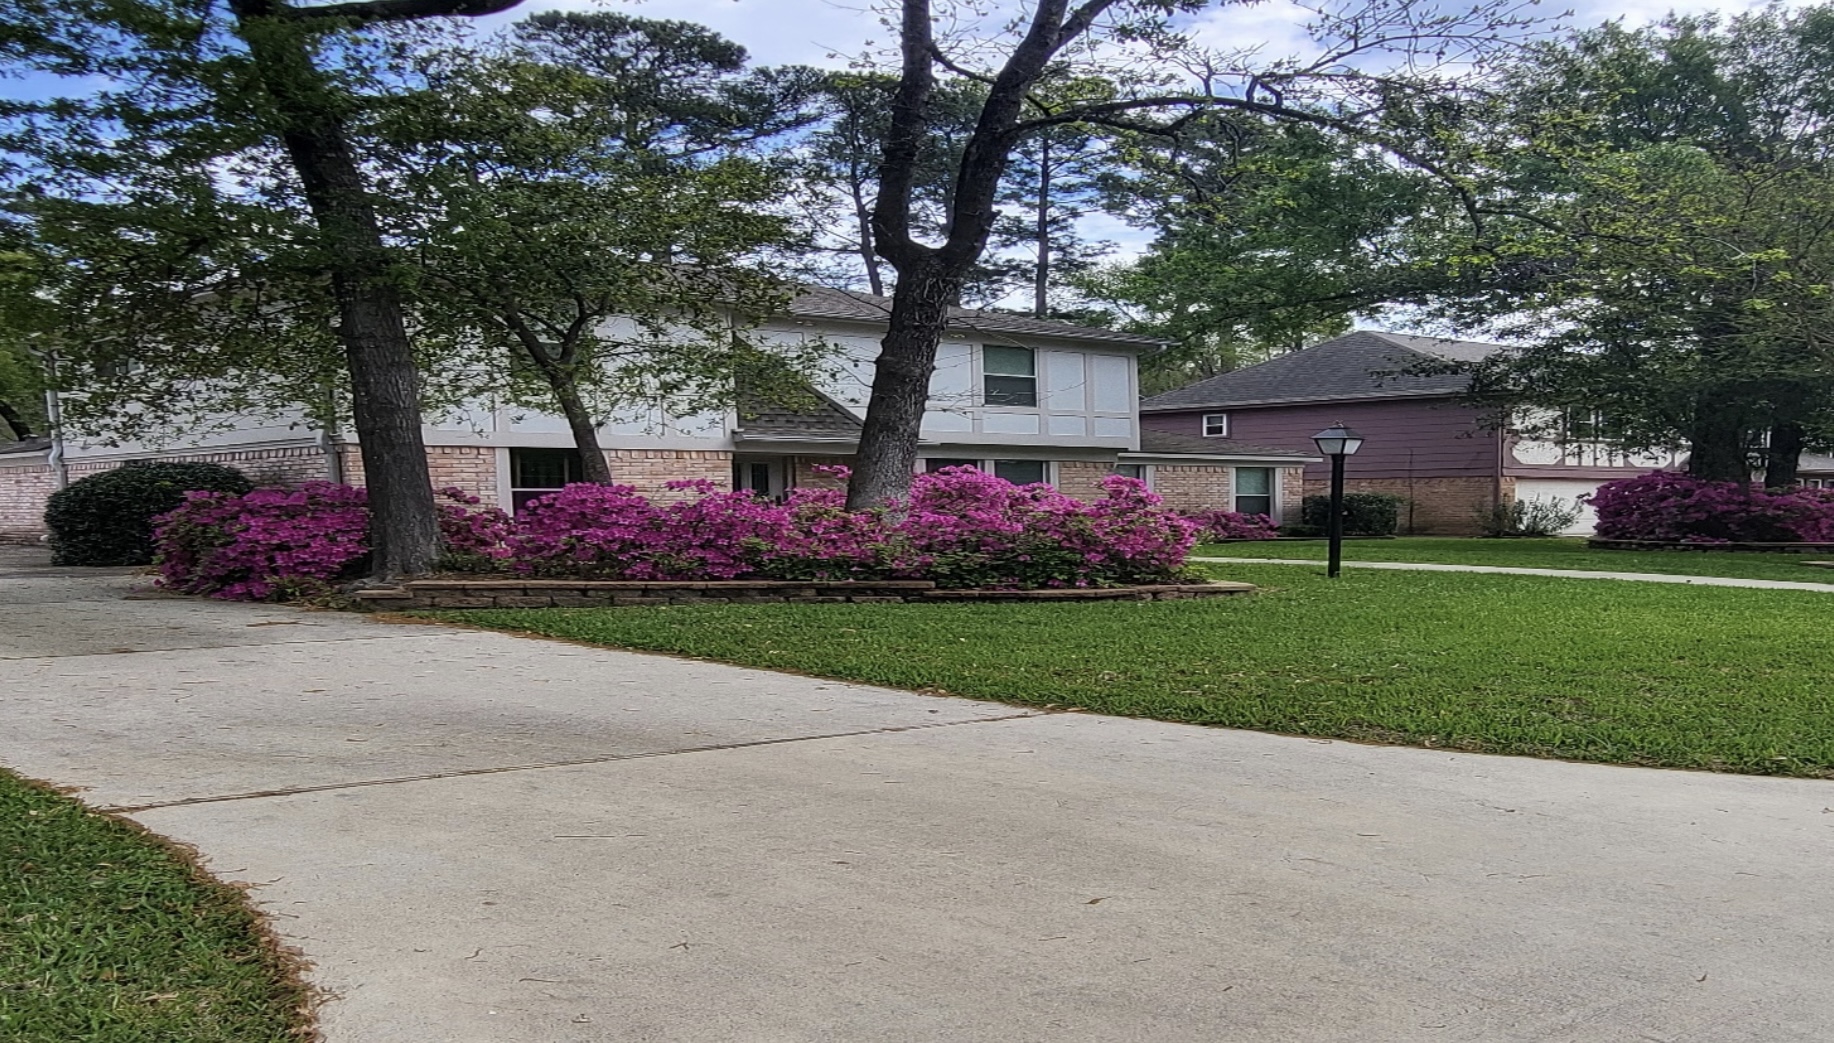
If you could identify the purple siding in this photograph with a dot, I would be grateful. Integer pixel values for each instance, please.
(1406, 438)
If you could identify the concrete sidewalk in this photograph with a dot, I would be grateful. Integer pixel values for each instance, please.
(477, 837)
(1510, 570)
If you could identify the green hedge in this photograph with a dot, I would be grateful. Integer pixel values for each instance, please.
(1365, 514)
(107, 518)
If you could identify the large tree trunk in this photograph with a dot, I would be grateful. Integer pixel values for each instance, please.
(1041, 275)
(1784, 455)
(887, 455)
(593, 466)
(21, 429)
(385, 396)
(1716, 442)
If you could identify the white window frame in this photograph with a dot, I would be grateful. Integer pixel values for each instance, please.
(987, 401)
(986, 465)
(1221, 422)
(1273, 489)
(1145, 475)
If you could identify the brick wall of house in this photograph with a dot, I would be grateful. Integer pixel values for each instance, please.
(1192, 488)
(1082, 478)
(23, 490)
(1292, 493)
(467, 467)
(650, 470)
(803, 473)
(1434, 506)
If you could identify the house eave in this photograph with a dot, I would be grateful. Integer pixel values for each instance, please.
(1173, 459)
(1305, 401)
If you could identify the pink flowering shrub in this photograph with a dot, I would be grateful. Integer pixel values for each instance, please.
(1668, 506)
(266, 545)
(1221, 526)
(960, 528)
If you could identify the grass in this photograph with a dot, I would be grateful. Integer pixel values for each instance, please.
(1689, 677)
(109, 935)
(1539, 554)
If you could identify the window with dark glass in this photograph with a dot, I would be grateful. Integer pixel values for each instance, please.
(537, 472)
(1009, 376)
(1131, 471)
(1216, 425)
(1254, 490)
(1021, 472)
(937, 463)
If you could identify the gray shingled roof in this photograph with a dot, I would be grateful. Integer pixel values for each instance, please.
(821, 302)
(1364, 364)
(823, 419)
(1163, 443)
(36, 444)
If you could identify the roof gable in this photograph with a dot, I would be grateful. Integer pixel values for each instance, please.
(1359, 365)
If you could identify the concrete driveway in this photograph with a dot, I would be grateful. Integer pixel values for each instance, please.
(485, 838)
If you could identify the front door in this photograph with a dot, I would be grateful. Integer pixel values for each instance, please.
(763, 475)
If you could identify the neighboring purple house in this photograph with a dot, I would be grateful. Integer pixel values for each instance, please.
(1423, 444)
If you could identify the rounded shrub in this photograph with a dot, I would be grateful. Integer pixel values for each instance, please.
(107, 518)
(1365, 514)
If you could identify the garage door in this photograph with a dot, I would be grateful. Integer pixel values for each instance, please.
(1565, 490)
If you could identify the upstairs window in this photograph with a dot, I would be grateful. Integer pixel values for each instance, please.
(534, 473)
(1009, 376)
(1216, 425)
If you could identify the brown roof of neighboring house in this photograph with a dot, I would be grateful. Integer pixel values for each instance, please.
(821, 302)
(1359, 365)
(24, 446)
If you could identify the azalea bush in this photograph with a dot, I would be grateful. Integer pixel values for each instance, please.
(281, 544)
(960, 528)
(1672, 507)
(1225, 526)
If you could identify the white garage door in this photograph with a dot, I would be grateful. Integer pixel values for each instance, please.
(1563, 489)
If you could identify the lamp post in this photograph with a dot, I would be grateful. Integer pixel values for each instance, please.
(1337, 442)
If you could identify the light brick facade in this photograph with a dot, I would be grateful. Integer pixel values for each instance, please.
(805, 476)
(1192, 488)
(1432, 506)
(1082, 478)
(23, 490)
(650, 470)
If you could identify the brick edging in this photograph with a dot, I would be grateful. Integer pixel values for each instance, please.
(454, 593)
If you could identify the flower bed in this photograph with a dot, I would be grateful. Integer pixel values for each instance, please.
(961, 529)
(1664, 509)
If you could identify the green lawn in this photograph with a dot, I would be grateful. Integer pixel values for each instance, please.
(1539, 554)
(109, 936)
(1694, 677)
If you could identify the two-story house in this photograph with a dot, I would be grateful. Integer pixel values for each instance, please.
(1448, 460)
(1025, 399)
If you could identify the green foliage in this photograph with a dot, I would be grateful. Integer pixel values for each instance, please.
(107, 518)
(1365, 514)
(1519, 518)
(113, 937)
(1632, 673)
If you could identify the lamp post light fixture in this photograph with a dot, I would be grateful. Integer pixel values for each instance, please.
(1337, 442)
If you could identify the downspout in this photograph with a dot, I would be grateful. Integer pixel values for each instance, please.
(334, 463)
(1496, 482)
(54, 414)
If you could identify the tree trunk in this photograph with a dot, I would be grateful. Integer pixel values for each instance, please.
(1716, 442)
(1041, 275)
(593, 466)
(21, 429)
(887, 456)
(1784, 455)
(384, 379)
(862, 215)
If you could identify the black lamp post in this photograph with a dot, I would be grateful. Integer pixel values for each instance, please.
(1337, 442)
